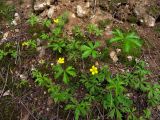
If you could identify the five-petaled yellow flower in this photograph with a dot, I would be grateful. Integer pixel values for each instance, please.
(60, 60)
(94, 70)
(56, 21)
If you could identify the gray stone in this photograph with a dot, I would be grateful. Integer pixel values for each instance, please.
(51, 12)
(40, 5)
(81, 12)
(149, 20)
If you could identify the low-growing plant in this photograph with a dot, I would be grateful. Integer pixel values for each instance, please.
(57, 46)
(137, 79)
(30, 43)
(6, 11)
(130, 43)
(44, 36)
(80, 108)
(73, 49)
(55, 91)
(22, 83)
(13, 53)
(77, 32)
(57, 94)
(93, 29)
(153, 94)
(33, 20)
(47, 22)
(2, 54)
(90, 50)
(40, 79)
(116, 105)
(64, 73)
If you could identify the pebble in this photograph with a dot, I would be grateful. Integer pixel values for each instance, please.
(17, 30)
(80, 11)
(51, 12)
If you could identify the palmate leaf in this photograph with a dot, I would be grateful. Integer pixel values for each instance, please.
(97, 44)
(91, 45)
(118, 114)
(132, 35)
(65, 78)
(85, 47)
(71, 71)
(116, 39)
(108, 101)
(77, 114)
(129, 41)
(86, 53)
(94, 54)
(59, 71)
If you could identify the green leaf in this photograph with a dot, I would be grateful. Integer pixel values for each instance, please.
(59, 71)
(119, 115)
(91, 45)
(86, 53)
(65, 78)
(97, 44)
(94, 54)
(77, 114)
(84, 48)
(71, 71)
(112, 113)
(69, 107)
(108, 101)
(116, 39)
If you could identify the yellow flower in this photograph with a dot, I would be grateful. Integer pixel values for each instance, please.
(56, 21)
(25, 44)
(94, 70)
(60, 60)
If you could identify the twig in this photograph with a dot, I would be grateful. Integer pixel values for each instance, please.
(5, 82)
(58, 112)
(68, 115)
(28, 110)
(100, 113)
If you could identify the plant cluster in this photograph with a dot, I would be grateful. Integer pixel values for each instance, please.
(8, 50)
(75, 66)
(6, 11)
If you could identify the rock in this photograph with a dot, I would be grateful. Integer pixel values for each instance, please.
(113, 56)
(16, 30)
(40, 5)
(23, 77)
(142, 15)
(17, 18)
(43, 15)
(130, 58)
(5, 35)
(118, 50)
(149, 20)
(51, 12)
(81, 12)
(14, 23)
(6, 93)
(41, 51)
